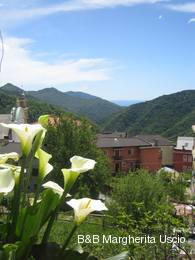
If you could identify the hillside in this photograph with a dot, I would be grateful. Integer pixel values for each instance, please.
(168, 115)
(95, 108)
(80, 94)
(36, 107)
(6, 102)
(79, 103)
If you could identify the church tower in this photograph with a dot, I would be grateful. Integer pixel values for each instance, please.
(22, 103)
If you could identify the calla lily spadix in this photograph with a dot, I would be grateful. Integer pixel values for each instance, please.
(26, 134)
(6, 156)
(7, 181)
(44, 166)
(78, 165)
(83, 207)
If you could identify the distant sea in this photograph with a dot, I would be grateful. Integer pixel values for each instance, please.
(126, 103)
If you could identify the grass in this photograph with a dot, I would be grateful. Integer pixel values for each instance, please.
(93, 226)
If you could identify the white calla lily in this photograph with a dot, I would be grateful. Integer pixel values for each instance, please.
(6, 156)
(193, 128)
(7, 181)
(54, 186)
(14, 169)
(26, 134)
(78, 165)
(83, 207)
(44, 166)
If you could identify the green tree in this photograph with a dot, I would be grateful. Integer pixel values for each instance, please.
(175, 187)
(69, 136)
(140, 206)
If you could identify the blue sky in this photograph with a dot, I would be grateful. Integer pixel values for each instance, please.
(115, 49)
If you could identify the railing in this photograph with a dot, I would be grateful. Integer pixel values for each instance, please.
(117, 157)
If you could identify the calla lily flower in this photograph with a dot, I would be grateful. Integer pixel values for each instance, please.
(4, 157)
(83, 207)
(14, 169)
(7, 181)
(55, 187)
(26, 134)
(44, 166)
(78, 165)
(193, 128)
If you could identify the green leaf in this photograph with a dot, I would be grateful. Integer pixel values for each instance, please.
(43, 120)
(49, 251)
(32, 219)
(52, 251)
(9, 252)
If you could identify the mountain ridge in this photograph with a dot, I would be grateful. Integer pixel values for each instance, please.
(36, 107)
(79, 103)
(164, 115)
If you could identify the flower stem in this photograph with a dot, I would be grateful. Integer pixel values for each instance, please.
(51, 220)
(16, 200)
(29, 174)
(67, 241)
(37, 193)
(48, 228)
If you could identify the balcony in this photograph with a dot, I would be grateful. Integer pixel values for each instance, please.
(117, 158)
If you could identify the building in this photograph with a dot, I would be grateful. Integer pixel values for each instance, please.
(150, 158)
(4, 132)
(127, 153)
(18, 115)
(160, 148)
(124, 153)
(185, 143)
(182, 155)
(113, 135)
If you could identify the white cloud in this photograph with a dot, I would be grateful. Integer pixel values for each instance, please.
(187, 7)
(72, 5)
(192, 20)
(20, 68)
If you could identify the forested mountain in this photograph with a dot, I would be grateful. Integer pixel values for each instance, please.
(95, 108)
(36, 107)
(80, 94)
(79, 103)
(168, 115)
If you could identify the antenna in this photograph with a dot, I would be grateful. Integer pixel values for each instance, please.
(2, 49)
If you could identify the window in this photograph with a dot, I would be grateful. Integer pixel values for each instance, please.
(117, 152)
(131, 151)
(105, 152)
(123, 164)
(185, 158)
(118, 167)
(189, 158)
